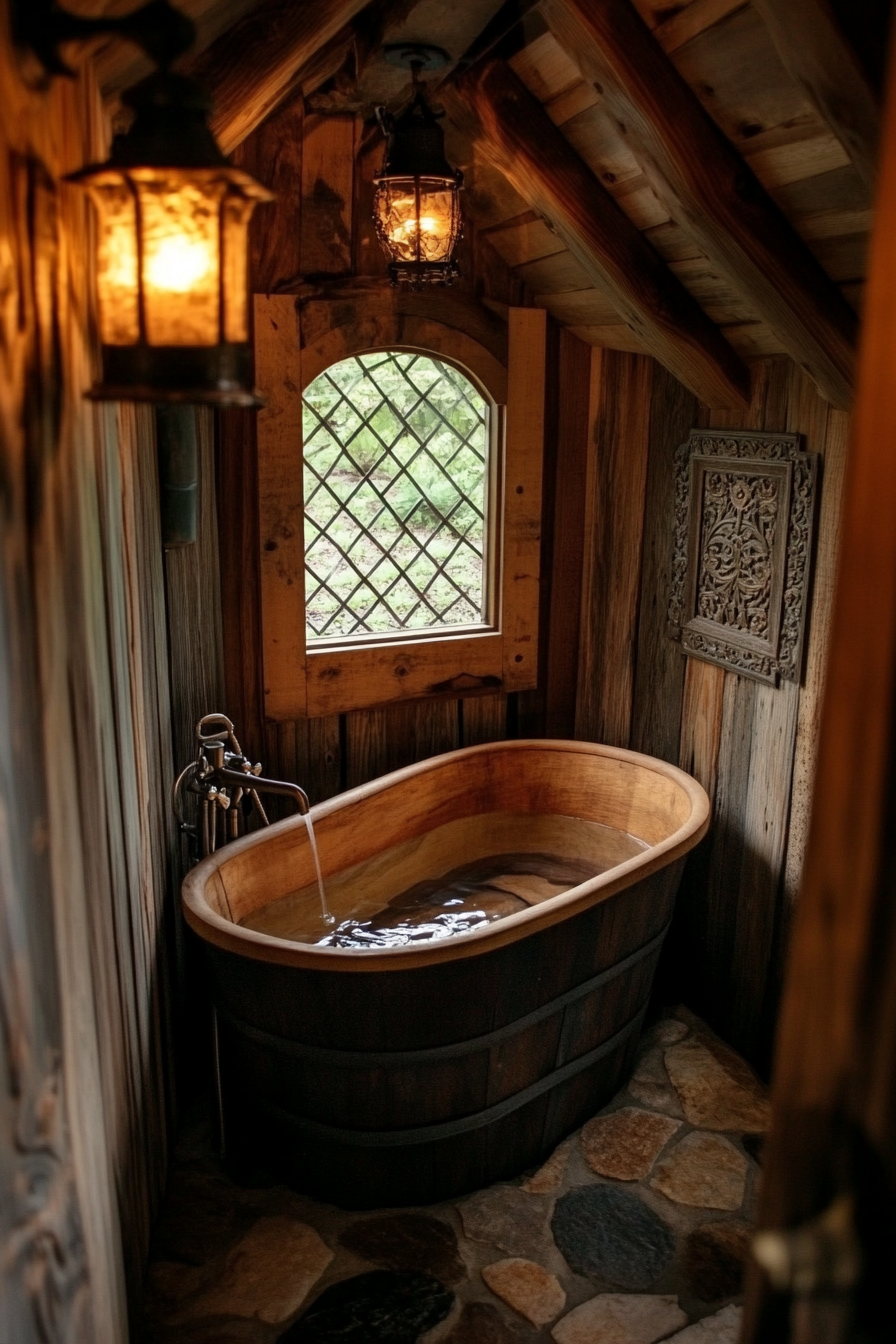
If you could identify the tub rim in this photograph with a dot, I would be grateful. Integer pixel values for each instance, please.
(230, 937)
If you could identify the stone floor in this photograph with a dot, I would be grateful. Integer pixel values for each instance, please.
(634, 1231)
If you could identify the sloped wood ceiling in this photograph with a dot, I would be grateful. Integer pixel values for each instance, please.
(737, 139)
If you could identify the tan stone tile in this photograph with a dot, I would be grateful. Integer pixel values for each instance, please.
(620, 1318)
(526, 1287)
(717, 1089)
(722, 1328)
(626, 1144)
(268, 1274)
(704, 1171)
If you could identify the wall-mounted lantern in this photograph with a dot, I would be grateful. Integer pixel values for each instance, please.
(172, 244)
(416, 206)
(172, 237)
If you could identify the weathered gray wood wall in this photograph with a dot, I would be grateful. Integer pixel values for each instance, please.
(752, 746)
(86, 845)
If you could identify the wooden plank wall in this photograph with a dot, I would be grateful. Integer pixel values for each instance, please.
(304, 236)
(608, 671)
(85, 765)
(750, 745)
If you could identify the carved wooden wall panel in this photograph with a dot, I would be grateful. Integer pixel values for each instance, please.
(742, 548)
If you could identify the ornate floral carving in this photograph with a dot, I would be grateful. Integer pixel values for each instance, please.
(744, 508)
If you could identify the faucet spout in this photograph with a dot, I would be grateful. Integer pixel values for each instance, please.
(258, 784)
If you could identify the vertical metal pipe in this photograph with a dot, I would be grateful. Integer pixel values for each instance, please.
(178, 454)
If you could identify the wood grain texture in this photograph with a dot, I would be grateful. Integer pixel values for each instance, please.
(616, 522)
(834, 448)
(707, 188)
(483, 719)
(512, 129)
(273, 155)
(694, 19)
(574, 430)
(257, 62)
(701, 722)
(660, 668)
(240, 563)
(328, 157)
(281, 522)
(85, 883)
(193, 604)
(833, 1086)
(352, 677)
(652, 800)
(816, 54)
(339, 316)
(522, 496)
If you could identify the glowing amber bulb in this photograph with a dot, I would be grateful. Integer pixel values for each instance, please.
(178, 265)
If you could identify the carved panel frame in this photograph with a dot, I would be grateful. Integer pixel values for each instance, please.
(742, 547)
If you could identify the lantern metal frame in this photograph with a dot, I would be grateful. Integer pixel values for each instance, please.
(414, 163)
(169, 134)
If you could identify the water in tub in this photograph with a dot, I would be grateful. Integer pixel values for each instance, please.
(455, 878)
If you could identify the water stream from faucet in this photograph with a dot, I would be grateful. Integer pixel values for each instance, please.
(324, 908)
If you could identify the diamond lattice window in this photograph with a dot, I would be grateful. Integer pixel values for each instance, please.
(395, 478)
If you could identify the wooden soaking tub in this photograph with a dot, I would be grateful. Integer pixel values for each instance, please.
(409, 1075)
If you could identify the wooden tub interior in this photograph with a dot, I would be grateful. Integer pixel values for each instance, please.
(619, 813)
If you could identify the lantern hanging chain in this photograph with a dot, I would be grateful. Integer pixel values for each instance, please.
(159, 29)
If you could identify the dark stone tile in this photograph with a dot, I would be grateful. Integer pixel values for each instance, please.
(382, 1307)
(509, 1218)
(608, 1233)
(407, 1241)
(715, 1258)
(481, 1323)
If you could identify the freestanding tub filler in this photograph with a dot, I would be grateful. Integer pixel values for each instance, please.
(409, 1074)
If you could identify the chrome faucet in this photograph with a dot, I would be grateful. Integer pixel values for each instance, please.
(226, 786)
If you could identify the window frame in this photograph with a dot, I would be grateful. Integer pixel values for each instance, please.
(360, 674)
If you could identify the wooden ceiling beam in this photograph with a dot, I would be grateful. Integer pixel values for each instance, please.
(252, 67)
(708, 188)
(818, 57)
(515, 133)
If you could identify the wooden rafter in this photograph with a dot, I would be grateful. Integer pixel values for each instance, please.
(258, 62)
(709, 189)
(516, 134)
(815, 53)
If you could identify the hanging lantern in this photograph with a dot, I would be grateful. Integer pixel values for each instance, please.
(172, 245)
(416, 207)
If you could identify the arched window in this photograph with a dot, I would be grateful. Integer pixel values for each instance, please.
(399, 490)
(398, 498)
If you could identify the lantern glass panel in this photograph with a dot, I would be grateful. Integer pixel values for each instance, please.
(180, 222)
(418, 224)
(117, 278)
